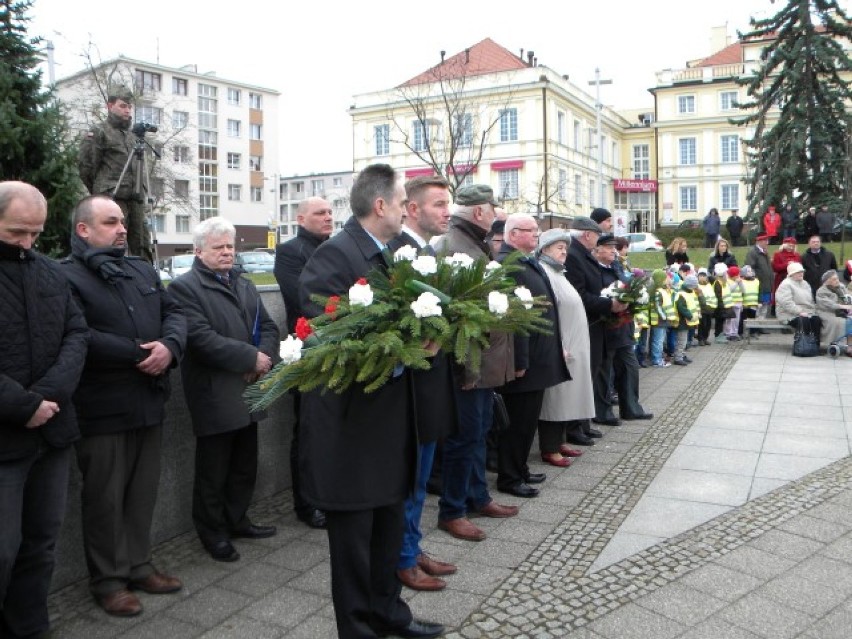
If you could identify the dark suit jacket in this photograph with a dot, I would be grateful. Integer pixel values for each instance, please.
(358, 450)
(290, 259)
(540, 355)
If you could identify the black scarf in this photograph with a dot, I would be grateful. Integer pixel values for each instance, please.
(106, 262)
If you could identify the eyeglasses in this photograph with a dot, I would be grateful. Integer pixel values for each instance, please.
(533, 230)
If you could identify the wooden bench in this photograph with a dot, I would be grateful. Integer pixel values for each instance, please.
(768, 323)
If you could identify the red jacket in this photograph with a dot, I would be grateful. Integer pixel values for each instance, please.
(779, 264)
(771, 222)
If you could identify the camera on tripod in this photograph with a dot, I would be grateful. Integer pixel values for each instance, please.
(141, 128)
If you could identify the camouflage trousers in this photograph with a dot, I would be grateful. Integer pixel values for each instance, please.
(138, 233)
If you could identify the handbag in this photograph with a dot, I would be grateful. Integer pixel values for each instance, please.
(805, 344)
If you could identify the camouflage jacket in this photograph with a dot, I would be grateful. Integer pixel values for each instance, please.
(103, 152)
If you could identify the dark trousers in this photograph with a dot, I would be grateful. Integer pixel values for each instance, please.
(626, 368)
(121, 474)
(225, 475)
(719, 324)
(33, 492)
(300, 504)
(551, 435)
(704, 325)
(364, 546)
(600, 388)
(516, 441)
(138, 235)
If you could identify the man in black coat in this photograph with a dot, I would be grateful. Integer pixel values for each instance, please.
(734, 224)
(539, 364)
(315, 221)
(360, 449)
(584, 273)
(43, 341)
(231, 342)
(817, 260)
(120, 403)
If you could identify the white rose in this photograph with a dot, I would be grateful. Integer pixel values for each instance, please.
(492, 266)
(405, 252)
(290, 350)
(427, 305)
(425, 264)
(498, 303)
(459, 260)
(523, 294)
(643, 298)
(360, 295)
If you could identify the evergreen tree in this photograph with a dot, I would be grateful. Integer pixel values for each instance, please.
(34, 145)
(798, 105)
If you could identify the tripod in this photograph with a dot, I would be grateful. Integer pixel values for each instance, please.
(142, 186)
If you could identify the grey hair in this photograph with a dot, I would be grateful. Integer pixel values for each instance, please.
(463, 211)
(212, 227)
(516, 218)
(13, 190)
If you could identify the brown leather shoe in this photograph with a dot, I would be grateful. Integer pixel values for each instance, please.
(157, 584)
(121, 603)
(416, 579)
(498, 511)
(434, 567)
(461, 528)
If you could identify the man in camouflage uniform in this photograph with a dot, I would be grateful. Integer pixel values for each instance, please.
(103, 154)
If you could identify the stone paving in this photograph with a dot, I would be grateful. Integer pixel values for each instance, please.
(775, 566)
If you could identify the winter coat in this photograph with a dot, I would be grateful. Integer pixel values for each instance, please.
(221, 323)
(816, 264)
(103, 154)
(829, 300)
(113, 395)
(43, 340)
(673, 258)
(584, 273)
(825, 221)
(734, 225)
(780, 260)
(712, 224)
(810, 225)
(290, 259)
(771, 224)
(726, 258)
(792, 298)
(759, 261)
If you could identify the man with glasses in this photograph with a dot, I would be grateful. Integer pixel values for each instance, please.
(539, 364)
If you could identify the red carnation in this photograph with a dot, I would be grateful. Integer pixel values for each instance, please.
(331, 304)
(303, 328)
(362, 281)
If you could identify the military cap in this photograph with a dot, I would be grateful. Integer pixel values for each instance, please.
(474, 194)
(586, 224)
(607, 239)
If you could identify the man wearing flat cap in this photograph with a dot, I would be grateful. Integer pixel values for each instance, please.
(464, 489)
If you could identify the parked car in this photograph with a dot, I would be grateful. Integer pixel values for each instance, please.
(644, 242)
(178, 265)
(690, 224)
(255, 261)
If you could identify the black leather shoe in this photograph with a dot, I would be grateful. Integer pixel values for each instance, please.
(580, 439)
(223, 551)
(594, 432)
(520, 490)
(254, 531)
(536, 478)
(415, 630)
(610, 421)
(642, 416)
(314, 517)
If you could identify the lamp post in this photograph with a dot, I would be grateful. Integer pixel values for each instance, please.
(276, 216)
(598, 108)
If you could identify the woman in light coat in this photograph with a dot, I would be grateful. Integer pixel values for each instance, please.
(794, 301)
(832, 297)
(568, 404)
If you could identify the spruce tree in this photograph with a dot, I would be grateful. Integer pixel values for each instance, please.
(798, 103)
(34, 144)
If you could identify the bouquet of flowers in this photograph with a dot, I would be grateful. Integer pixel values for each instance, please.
(390, 318)
(633, 292)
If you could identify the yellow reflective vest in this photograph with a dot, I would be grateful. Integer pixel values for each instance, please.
(691, 300)
(751, 293)
(727, 300)
(736, 292)
(709, 295)
(663, 309)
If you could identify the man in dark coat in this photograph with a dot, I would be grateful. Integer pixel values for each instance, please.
(427, 214)
(315, 221)
(584, 273)
(817, 260)
(734, 224)
(43, 341)
(758, 259)
(360, 449)
(789, 220)
(120, 403)
(539, 364)
(231, 342)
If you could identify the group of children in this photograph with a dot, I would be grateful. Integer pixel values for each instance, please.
(684, 304)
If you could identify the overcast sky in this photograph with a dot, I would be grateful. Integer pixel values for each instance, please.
(320, 54)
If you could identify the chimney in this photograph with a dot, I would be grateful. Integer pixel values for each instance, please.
(443, 53)
(522, 54)
(466, 56)
(530, 56)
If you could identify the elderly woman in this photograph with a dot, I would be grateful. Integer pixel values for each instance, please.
(833, 306)
(782, 259)
(568, 404)
(794, 301)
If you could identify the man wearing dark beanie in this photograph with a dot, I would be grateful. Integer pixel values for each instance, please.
(603, 218)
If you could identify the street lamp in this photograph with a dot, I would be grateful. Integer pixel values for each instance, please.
(598, 108)
(276, 216)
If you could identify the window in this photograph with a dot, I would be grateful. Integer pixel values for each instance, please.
(255, 101)
(421, 136)
(317, 187)
(508, 125)
(687, 151)
(182, 189)
(257, 194)
(182, 223)
(592, 197)
(207, 90)
(208, 205)
(208, 153)
(338, 181)
(149, 114)
(235, 192)
(208, 137)
(730, 148)
(255, 163)
(562, 187)
(686, 104)
(234, 96)
(234, 160)
(641, 161)
(508, 184)
(180, 154)
(180, 119)
(730, 196)
(234, 127)
(179, 86)
(578, 189)
(689, 198)
(147, 81)
(577, 136)
(728, 100)
(603, 150)
(560, 127)
(298, 187)
(463, 133)
(159, 223)
(382, 135)
(207, 121)
(256, 132)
